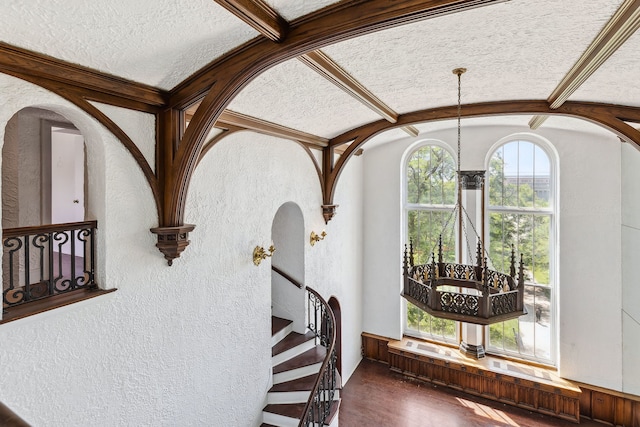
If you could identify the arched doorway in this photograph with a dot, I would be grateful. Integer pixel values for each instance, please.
(287, 233)
(335, 306)
(43, 183)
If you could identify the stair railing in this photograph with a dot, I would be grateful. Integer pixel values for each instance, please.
(322, 322)
(47, 260)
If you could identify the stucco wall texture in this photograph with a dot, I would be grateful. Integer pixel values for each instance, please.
(188, 344)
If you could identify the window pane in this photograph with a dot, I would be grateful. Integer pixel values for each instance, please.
(431, 183)
(520, 178)
(431, 177)
(543, 316)
(496, 178)
(525, 174)
(542, 184)
(425, 228)
(510, 186)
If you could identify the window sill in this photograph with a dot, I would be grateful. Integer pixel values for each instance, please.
(51, 303)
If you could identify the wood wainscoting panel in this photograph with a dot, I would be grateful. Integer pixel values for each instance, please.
(532, 388)
(374, 347)
(609, 406)
(526, 386)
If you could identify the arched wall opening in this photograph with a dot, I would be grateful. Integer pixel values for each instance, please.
(49, 176)
(287, 232)
(44, 170)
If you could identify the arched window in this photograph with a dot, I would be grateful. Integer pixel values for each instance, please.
(430, 197)
(521, 212)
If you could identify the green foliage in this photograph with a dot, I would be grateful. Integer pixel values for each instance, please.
(424, 323)
(529, 232)
(503, 335)
(431, 177)
(431, 182)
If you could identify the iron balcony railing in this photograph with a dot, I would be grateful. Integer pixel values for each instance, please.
(44, 261)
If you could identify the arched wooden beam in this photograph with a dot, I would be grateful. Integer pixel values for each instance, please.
(223, 79)
(609, 116)
(76, 98)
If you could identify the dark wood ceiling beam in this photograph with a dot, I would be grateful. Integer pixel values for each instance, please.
(335, 23)
(260, 16)
(622, 25)
(92, 84)
(224, 78)
(609, 116)
(321, 63)
(238, 120)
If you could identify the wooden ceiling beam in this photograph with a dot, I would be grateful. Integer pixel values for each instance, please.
(622, 25)
(338, 22)
(91, 84)
(321, 63)
(220, 81)
(260, 16)
(609, 116)
(238, 120)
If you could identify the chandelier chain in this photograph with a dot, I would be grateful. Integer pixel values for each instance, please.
(459, 114)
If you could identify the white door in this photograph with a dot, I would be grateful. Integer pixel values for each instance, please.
(67, 176)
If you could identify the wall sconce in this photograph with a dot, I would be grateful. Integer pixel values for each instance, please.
(315, 238)
(259, 254)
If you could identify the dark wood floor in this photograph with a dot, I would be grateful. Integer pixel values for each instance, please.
(375, 396)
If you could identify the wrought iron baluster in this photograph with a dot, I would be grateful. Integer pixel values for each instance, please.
(27, 279)
(72, 279)
(51, 266)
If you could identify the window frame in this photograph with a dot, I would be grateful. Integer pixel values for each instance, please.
(552, 213)
(406, 207)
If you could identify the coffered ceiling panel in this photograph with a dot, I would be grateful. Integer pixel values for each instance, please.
(157, 42)
(293, 95)
(617, 81)
(515, 50)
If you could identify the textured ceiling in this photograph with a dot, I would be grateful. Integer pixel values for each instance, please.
(513, 51)
(158, 42)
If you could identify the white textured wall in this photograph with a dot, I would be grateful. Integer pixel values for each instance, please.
(186, 345)
(590, 339)
(630, 256)
(287, 232)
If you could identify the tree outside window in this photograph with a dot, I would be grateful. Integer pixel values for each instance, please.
(430, 200)
(521, 214)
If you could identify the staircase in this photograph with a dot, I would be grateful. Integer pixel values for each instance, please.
(296, 360)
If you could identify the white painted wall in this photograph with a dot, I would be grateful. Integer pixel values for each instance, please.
(590, 339)
(287, 300)
(630, 256)
(190, 344)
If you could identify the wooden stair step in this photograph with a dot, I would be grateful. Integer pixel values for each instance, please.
(291, 410)
(267, 425)
(290, 341)
(333, 412)
(309, 357)
(300, 384)
(278, 324)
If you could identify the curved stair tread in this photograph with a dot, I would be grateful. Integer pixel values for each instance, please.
(291, 410)
(290, 341)
(278, 324)
(300, 384)
(309, 357)
(267, 425)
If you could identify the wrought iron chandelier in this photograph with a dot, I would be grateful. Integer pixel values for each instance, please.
(482, 295)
